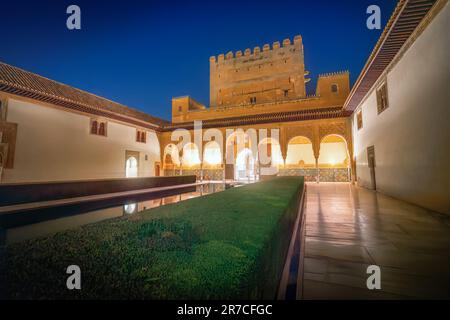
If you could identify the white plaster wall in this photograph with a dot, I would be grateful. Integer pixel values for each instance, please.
(56, 145)
(412, 136)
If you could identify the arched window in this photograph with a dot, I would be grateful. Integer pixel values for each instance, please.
(94, 127)
(101, 130)
(141, 136)
(334, 88)
(131, 169)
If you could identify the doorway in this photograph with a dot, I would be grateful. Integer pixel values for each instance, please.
(245, 166)
(157, 169)
(371, 163)
(131, 164)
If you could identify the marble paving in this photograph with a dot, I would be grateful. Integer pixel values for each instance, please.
(349, 228)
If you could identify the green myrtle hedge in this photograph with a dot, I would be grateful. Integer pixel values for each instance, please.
(227, 245)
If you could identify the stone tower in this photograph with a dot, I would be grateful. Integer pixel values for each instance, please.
(272, 74)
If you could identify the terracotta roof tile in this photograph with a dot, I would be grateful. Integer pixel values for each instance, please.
(27, 84)
(404, 20)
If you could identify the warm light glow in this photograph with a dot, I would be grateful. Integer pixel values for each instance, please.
(172, 150)
(212, 154)
(245, 165)
(190, 155)
(130, 208)
(333, 151)
(131, 169)
(276, 157)
(300, 152)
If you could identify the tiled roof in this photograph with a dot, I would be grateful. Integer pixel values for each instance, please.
(17, 81)
(27, 84)
(404, 20)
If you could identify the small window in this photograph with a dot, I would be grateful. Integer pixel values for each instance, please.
(98, 127)
(359, 121)
(141, 136)
(102, 129)
(252, 100)
(3, 107)
(286, 93)
(334, 88)
(94, 127)
(382, 98)
(180, 108)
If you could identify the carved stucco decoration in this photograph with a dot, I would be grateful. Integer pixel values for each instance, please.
(338, 128)
(305, 131)
(308, 131)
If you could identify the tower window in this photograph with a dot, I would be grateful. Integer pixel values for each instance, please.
(334, 88)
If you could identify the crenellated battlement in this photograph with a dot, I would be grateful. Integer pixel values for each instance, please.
(256, 50)
(333, 74)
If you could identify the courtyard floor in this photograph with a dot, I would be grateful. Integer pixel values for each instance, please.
(349, 228)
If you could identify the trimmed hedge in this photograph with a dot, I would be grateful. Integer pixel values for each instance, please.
(227, 245)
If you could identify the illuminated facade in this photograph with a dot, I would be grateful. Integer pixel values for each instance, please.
(383, 134)
(264, 89)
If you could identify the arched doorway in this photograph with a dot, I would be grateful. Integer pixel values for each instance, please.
(190, 161)
(191, 155)
(236, 143)
(171, 160)
(211, 154)
(131, 167)
(334, 159)
(212, 162)
(300, 159)
(245, 166)
(270, 157)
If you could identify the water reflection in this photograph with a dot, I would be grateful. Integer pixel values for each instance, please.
(32, 224)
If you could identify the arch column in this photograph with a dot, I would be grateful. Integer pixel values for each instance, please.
(202, 157)
(317, 168)
(283, 145)
(316, 150)
(180, 156)
(224, 161)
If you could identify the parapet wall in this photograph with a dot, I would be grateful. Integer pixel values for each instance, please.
(333, 87)
(221, 58)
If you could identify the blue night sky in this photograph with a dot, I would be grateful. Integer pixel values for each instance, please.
(142, 54)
